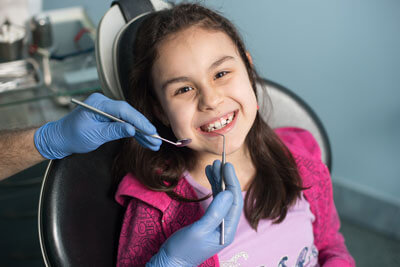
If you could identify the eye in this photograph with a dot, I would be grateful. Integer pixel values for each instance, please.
(220, 74)
(183, 90)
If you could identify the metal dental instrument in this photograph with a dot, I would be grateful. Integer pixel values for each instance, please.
(222, 237)
(179, 143)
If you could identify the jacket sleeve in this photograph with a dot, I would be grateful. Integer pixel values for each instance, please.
(141, 235)
(316, 178)
(328, 239)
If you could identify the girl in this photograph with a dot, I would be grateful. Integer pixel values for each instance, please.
(194, 79)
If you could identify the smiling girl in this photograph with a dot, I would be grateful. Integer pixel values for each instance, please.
(193, 78)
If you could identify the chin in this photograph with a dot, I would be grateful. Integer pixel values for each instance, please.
(233, 143)
(232, 149)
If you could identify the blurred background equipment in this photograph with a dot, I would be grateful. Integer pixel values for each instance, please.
(11, 41)
(19, 75)
(40, 26)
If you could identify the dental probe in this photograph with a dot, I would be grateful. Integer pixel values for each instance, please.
(222, 237)
(179, 143)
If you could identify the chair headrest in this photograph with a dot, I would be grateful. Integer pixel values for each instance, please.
(114, 40)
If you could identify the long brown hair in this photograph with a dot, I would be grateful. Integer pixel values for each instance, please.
(276, 185)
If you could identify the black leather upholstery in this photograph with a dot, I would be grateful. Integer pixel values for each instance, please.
(79, 220)
(131, 9)
(124, 55)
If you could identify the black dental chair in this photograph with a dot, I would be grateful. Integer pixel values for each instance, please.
(79, 221)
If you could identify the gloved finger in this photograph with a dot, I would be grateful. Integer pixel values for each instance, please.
(214, 214)
(149, 139)
(121, 130)
(211, 180)
(232, 183)
(108, 131)
(216, 168)
(126, 112)
(96, 99)
(233, 216)
(146, 141)
(151, 143)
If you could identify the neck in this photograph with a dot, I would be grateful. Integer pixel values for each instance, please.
(240, 159)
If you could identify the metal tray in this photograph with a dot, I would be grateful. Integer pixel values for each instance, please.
(20, 75)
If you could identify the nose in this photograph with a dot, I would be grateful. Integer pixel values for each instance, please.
(210, 98)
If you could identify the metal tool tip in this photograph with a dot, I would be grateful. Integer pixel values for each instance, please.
(184, 142)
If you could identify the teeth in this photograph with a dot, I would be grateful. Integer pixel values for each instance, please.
(219, 124)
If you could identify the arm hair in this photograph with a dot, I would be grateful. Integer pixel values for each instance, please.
(17, 151)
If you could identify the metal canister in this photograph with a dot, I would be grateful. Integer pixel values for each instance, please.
(41, 31)
(11, 42)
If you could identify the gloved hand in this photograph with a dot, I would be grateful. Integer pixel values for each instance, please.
(83, 130)
(195, 243)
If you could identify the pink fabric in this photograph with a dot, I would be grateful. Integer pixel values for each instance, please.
(289, 243)
(327, 238)
(151, 217)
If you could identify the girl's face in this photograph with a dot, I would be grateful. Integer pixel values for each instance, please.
(204, 89)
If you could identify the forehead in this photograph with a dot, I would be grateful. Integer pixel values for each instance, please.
(190, 50)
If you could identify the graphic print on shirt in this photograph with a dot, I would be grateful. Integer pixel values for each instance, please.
(233, 262)
(307, 258)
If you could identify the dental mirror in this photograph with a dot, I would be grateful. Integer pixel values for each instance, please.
(178, 143)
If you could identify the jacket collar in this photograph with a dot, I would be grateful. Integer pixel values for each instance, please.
(131, 187)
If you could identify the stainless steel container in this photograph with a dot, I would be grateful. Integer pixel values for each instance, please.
(11, 42)
(41, 31)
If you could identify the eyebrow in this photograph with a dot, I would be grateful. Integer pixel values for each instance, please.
(185, 78)
(174, 80)
(220, 61)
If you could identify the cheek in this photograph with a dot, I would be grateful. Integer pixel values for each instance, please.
(180, 119)
(245, 94)
(247, 99)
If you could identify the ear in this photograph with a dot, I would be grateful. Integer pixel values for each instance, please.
(249, 57)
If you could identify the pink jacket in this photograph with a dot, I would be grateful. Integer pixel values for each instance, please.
(151, 217)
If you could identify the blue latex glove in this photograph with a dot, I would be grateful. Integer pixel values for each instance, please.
(195, 243)
(83, 130)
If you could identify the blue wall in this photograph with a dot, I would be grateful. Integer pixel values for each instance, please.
(343, 58)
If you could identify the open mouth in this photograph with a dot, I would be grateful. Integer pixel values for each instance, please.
(219, 124)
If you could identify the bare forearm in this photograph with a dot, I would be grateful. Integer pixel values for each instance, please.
(17, 151)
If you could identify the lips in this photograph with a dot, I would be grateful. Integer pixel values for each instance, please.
(219, 123)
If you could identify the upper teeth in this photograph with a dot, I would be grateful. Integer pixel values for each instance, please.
(219, 124)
